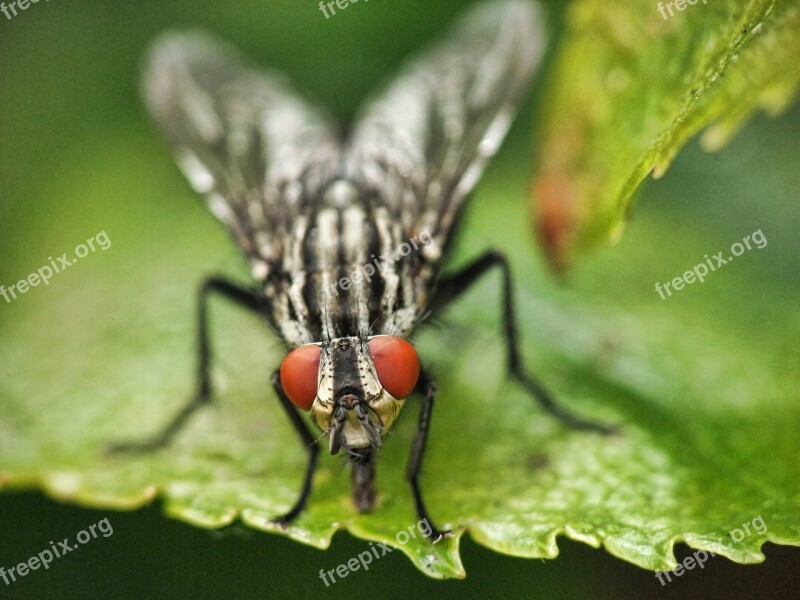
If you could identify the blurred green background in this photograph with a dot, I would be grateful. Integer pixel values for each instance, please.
(73, 134)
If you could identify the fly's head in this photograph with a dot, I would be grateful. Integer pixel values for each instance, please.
(354, 387)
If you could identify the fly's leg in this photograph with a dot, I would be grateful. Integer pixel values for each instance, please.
(308, 441)
(453, 286)
(426, 386)
(202, 396)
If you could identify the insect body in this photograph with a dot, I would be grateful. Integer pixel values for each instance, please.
(345, 236)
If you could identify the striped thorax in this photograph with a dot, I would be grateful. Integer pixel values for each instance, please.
(347, 292)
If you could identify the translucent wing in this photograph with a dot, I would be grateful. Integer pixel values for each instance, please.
(423, 144)
(256, 150)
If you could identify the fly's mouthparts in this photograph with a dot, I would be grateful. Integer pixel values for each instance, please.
(350, 401)
(372, 430)
(337, 428)
(343, 406)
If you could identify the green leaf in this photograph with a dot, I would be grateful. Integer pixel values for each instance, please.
(704, 384)
(631, 86)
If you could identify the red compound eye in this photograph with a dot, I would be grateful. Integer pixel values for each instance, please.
(396, 363)
(299, 372)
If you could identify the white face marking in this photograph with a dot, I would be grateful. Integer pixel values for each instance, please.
(386, 408)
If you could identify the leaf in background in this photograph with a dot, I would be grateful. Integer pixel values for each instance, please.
(704, 384)
(705, 388)
(631, 86)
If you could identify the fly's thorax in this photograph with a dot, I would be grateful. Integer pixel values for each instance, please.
(341, 194)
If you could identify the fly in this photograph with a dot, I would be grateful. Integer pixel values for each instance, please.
(310, 209)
